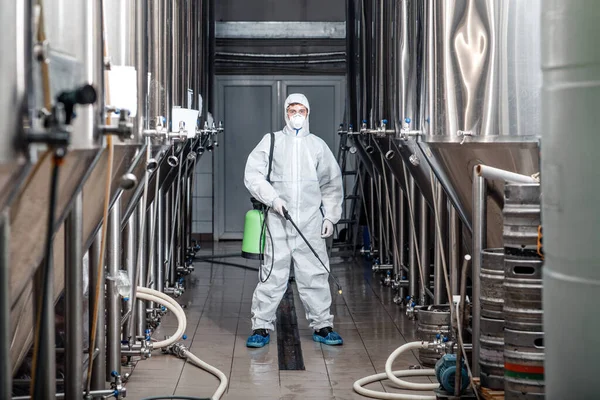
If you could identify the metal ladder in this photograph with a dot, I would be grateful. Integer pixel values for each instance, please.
(346, 245)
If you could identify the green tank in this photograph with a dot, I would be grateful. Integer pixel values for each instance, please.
(253, 244)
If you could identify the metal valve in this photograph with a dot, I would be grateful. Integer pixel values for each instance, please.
(410, 308)
(119, 391)
(124, 128)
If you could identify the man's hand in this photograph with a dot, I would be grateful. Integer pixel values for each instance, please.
(327, 229)
(278, 206)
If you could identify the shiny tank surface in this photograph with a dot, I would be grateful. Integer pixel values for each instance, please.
(483, 95)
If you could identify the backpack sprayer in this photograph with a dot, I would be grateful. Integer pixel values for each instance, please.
(255, 224)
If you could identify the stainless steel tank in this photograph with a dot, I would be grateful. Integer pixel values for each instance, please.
(76, 56)
(14, 92)
(73, 30)
(483, 95)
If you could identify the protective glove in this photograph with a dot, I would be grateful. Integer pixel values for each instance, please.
(278, 206)
(327, 229)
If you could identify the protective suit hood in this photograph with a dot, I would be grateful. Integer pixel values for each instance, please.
(289, 129)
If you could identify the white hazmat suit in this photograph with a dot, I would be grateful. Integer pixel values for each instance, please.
(307, 177)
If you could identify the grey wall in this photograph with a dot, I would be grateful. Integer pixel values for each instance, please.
(280, 10)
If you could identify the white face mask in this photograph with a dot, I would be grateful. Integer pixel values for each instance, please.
(297, 121)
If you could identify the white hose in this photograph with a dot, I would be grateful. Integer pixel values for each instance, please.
(404, 384)
(358, 386)
(209, 368)
(165, 300)
(168, 299)
(181, 324)
(394, 377)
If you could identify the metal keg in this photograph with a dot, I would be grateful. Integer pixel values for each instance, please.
(491, 353)
(523, 365)
(523, 294)
(492, 277)
(521, 214)
(432, 320)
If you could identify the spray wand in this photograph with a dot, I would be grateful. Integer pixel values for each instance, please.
(289, 218)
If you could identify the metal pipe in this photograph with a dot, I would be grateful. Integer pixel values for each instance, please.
(141, 66)
(189, 207)
(167, 236)
(150, 264)
(159, 243)
(194, 69)
(157, 60)
(140, 264)
(461, 317)
(394, 222)
(173, 239)
(129, 261)
(402, 227)
(140, 312)
(265, 55)
(492, 173)
(209, 56)
(74, 299)
(382, 236)
(186, 13)
(90, 54)
(570, 218)
(176, 51)
(479, 243)
(182, 217)
(439, 289)
(373, 227)
(99, 369)
(454, 247)
(113, 299)
(424, 250)
(167, 46)
(385, 194)
(5, 329)
(413, 274)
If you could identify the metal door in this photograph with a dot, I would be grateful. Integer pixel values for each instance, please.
(250, 108)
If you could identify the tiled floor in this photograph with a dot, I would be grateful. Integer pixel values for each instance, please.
(218, 300)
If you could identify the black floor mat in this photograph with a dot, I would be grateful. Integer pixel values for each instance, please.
(288, 338)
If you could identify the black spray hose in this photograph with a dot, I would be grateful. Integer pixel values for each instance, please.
(289, 218)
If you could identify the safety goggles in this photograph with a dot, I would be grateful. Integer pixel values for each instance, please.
(292, 111)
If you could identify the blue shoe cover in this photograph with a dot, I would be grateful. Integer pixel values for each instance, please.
(257, 340)
(332, 338)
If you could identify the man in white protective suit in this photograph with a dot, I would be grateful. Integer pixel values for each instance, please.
(306, 180)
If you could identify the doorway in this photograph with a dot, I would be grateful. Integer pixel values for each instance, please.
(251, 107)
